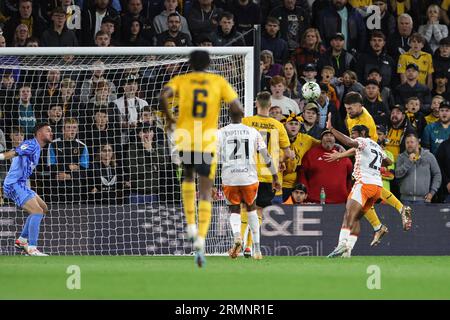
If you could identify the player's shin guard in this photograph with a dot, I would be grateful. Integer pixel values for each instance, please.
(26, 226)
(373, 219)
(188, 194)
(351, 241)
(343, 235)
(389, 198)
(244, 222)
(235, 221)
(204, 218)
(35, 223)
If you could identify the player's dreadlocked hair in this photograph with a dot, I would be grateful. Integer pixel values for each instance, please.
(362, 130)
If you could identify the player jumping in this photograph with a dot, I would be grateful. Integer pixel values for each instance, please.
(238, 147)
(200, 94)
(25, 159)
(367, 188)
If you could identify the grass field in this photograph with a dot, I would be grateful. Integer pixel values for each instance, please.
(223, 278)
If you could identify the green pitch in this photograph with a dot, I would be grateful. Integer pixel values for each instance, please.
(223, 278)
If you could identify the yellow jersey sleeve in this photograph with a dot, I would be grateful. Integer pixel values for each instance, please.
(174, 84)
(445, 4)
(401, 67)
(284, 138)
(228, 93)
(430, 64)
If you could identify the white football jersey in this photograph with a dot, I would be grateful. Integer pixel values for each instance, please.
(238, 146)
(368, 159)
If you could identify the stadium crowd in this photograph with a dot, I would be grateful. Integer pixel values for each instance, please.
(111, 146)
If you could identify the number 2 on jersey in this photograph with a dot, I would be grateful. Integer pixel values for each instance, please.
(376, 162)
(199, 108)
(237, 152)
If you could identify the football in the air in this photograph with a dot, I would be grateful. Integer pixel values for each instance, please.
(311, 91)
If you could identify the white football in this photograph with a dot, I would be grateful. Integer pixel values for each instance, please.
(311, 91)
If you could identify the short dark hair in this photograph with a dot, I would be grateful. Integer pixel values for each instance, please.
(360, 128)
(378, 34)
(39, 126)
(227, 15)
(199, 60)
(353, 97)
(101, 110)
(273, 20)
(174, 14)
(412, 134)
(32, 39)
(16, 129)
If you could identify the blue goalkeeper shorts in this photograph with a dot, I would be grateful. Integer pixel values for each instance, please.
(20, 193)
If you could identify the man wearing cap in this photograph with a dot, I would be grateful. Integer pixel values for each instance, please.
(309, 73)
(298, 195)
(59, 35)
(376, 58)
(398, 127)
(441, 58)
(336, 56)
(300, 144)
(315, 172)
(435, 133)
(412, 88)
(386, 92)
(310, 124)
(373, 102)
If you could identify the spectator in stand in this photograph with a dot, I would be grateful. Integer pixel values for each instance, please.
(59, 35)
(89, 86)
(21, 35)
(55, 119)
(102, 39)
(148, 116)
(309, 51)
(36, 25)
(109, 27)
(133, 36)
(439, 131)
(422, 59)
(387, 173)
(91, 20)
(440, 87)
(418, 172)
(264, 78)
(412, 88)
(433, 31)
(276, 113)
(23, 113)
(227, 34)
(277, 88)
(247, 14)
(376, 58)
(398, 128)
(135, 12)
(399, 42)
(328, 78)
(106, 178)
(326, 105)
(174, 33)
(293, 85)
(100, 131)
(203, 19)
(146, 167)
(32, 42)
(270, 41)
(443, 159)
(270, 68)
(434, 114)
(46, 91)
(69, 101)
(160, 21)
(2, 41)
(441, 58)
(310, 124)
(8, 88)
(127, 108)
(309, 74)
(68, 160)
(373, 102)
(386, 92)
(388, 23)
(348, 83)
(298, 195)
(315, 172)
(351, 23)
(414, 115)
(268, 5)
(337, 57)
(294, 20)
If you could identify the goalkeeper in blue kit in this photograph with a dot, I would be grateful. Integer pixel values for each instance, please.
(25, 159)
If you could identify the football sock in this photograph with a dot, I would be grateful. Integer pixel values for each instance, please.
(351, 240)
(235, 221)
(188, 193)
(244, 223)
(33, 228)
(373, 219)
(204, 218)
(24, 234)
(254, 227)
(391, 200)
(343, 235)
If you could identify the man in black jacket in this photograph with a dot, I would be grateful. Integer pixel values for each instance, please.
(135, 11)
(412, 88)
(174, 33)
(226, 33)
(59, 35)
(203, 19)
(89, 21)
(337, 57)
(441, 58)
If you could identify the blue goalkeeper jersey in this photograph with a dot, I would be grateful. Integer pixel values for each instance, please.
(28, 154)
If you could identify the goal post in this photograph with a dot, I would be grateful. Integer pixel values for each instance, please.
(89, 213)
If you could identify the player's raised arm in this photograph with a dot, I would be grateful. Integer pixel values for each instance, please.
(336, 155)
(344, 139)
(8, 155)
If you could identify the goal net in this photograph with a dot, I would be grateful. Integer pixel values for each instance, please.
(110, 177)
